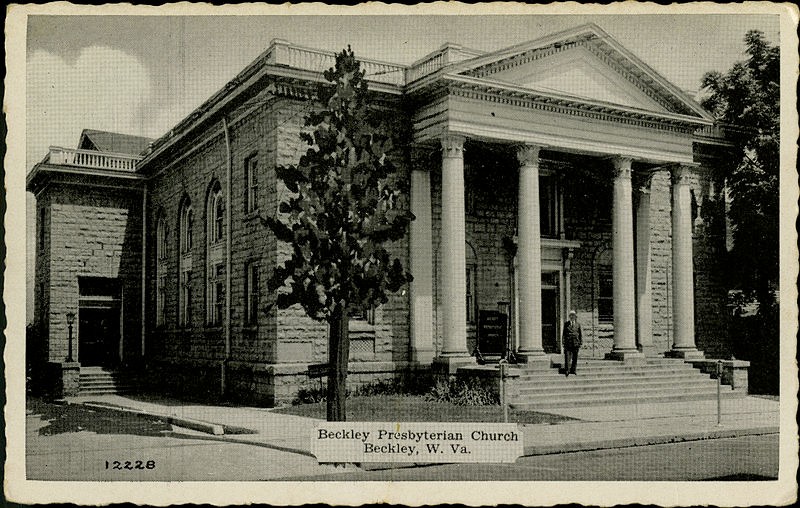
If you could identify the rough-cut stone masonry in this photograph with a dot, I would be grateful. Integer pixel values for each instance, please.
(268, 362)
(90, 233)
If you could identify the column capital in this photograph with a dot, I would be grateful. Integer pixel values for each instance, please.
(680, 174)
(420, 158)
(452, 144)
(528, 155)
(622, 166)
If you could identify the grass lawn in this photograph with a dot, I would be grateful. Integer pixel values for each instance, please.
(411, 408)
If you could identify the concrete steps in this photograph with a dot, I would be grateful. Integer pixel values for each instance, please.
(102, 381)
(604, 382)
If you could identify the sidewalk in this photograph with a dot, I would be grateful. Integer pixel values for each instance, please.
(597, 427)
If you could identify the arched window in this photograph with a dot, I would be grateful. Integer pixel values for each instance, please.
(161, 275)
(185, 241)
(215, 255)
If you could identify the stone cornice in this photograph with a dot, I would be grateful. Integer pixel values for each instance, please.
(489, 91)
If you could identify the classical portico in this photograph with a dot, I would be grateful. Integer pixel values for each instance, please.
(526, 99)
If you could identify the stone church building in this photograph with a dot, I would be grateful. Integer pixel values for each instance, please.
(562, 173)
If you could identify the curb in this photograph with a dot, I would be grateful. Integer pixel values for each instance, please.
(188, 423)
(629, 442)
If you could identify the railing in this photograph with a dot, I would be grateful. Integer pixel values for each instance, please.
(92, 159)
(448, 54)
(285, 53)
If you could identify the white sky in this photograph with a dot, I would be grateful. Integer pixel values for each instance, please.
(141, 74)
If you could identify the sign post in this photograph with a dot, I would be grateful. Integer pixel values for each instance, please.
(719, 393)
(503, 396)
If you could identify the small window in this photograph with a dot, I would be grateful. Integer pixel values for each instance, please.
(42, 228)
(219, 218)
(251, 292)
(472, 307)
(187, 228)
(216, 296)
(215, 215)
(161, 239)
(366, 315)
(161, 299)
(161, 278)
(185, 318)
(251, 183)
(605, 295)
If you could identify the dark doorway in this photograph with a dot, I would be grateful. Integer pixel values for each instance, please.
(99, 320)
(98, 335)
(550, 320)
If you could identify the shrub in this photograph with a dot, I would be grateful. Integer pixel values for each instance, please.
(310, 396)
(468, 392)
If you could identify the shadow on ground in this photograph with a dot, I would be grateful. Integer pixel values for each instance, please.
(65, 418)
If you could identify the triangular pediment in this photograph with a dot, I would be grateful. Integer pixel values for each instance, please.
(577, 72)
(584, 63)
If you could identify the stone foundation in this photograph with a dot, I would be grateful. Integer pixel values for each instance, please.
(734, 372)
(59, 379)
(259, 384)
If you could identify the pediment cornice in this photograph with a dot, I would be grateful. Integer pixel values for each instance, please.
(600, 45)
(493, 92)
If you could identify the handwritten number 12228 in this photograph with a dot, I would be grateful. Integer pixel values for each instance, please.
(130, 464)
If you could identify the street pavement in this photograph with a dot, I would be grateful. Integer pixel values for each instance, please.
(261, 444)
(743, 458)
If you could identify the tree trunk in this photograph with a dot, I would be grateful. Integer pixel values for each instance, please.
(338, 353)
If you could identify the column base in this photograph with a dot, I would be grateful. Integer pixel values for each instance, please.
(649, 351)
(684, 353)
(534, 358)
(422, 356)
(451, 363)
(626, 355)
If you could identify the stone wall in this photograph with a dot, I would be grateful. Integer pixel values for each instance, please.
(92, 233)
(191, 176)
(268, 362)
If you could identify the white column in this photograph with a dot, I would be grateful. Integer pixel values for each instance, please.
(421, 252)
(644, 310)
(623, 270)
(453, 278)
(682, 267)
(529, 256)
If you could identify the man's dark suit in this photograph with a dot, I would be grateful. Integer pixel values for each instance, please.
(572, 338)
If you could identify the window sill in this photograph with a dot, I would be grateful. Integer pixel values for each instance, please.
(360, 326)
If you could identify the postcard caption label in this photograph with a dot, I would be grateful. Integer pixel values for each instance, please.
(416, 442)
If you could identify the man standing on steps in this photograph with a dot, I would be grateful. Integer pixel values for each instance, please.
(572, 338)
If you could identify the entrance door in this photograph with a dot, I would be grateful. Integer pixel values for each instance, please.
(98, 335)
(550, 320)
(551, 301)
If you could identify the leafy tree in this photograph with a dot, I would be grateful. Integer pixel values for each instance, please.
(347, 203)
(747, 99)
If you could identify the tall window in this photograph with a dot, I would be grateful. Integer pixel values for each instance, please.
(251, 291)
(605, 294)
(550, 208)
(216, 294)
(161, 276)
(251, 183)
(215, 255)
(185, 241)
(472, 282)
